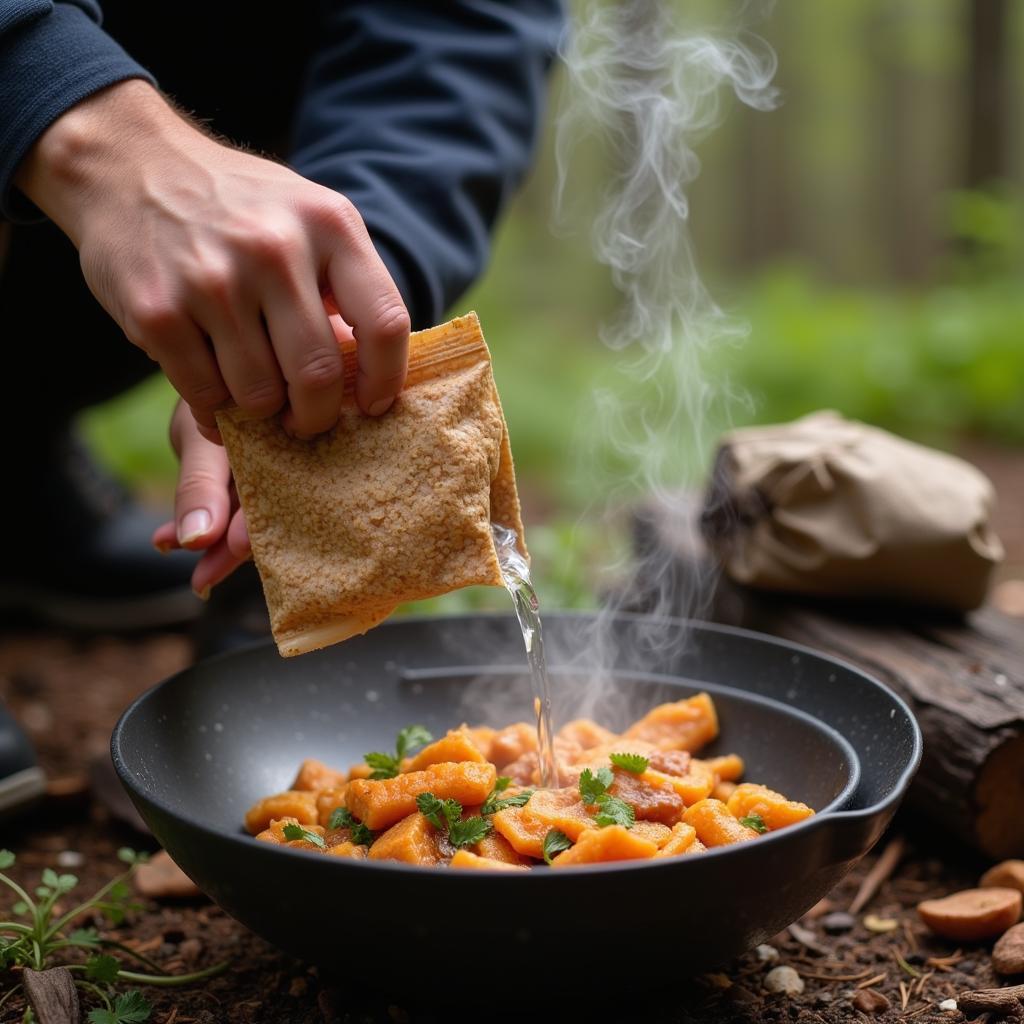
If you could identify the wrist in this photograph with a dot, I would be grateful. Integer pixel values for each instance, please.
(73, 164)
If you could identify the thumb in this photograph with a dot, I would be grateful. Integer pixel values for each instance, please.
(202, 500)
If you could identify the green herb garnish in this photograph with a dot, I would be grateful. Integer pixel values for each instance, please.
(496, 802)
(614, 811)
(342, 817)
(292, 832)
(40, 940)
(754, 821)
(594, 784)
(555, 842)
(635, 763)
(387, 766)
(446, 816)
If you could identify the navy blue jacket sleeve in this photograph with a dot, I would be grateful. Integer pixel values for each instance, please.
(52, 56)
(425, 115)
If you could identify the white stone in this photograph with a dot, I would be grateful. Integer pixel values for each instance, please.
(767, 954)
(785, 980)
(947, 1005)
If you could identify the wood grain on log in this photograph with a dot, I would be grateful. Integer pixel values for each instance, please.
(53, 995)
(963, 678)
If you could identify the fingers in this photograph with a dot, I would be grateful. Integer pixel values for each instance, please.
(231, 551)
(369, 301)
(202, 501)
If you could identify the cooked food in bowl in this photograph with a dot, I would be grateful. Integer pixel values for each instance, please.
(471, 799)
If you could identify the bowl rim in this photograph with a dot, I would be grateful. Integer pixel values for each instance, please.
(824, 818)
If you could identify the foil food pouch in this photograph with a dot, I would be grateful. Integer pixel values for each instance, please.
(379, 511)
(831, 507)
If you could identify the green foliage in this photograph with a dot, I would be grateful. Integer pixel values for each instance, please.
(41, 940)
(754, 821)
(342, 817)
(496, 802)
(635, 763)
(554, 842)
(446, 816)
(387, 766)
(293, 833)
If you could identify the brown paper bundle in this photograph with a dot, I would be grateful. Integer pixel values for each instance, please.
(381, 511)
(826, 506)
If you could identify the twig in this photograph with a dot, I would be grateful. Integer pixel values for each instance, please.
(883, 868)
(915, 1013)
(834, 977)
(904, 995)
(868, 982)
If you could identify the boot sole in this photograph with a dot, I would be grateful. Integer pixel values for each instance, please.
(152, 611)
(21, 788)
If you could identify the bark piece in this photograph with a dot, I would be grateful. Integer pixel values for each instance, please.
(1008, 953)
(161, 878)
(1000, 1001)
(53, 995)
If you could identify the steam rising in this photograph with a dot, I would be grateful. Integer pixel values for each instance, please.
(647, 89)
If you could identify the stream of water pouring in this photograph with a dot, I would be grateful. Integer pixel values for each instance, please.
(515, 572)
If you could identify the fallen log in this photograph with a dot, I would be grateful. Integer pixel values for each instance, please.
(962, 677)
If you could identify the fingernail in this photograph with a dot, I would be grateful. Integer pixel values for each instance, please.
(203, 595)
(193, 525)
(165, 548)
(380, 406)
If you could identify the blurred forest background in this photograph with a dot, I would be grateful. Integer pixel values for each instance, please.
(870, 231)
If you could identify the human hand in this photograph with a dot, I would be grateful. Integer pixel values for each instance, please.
(207, 516)
(217, 263)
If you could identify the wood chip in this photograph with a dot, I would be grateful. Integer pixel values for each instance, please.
(835, 977)
(882, 869)
(161, 878)
(1001, 1001)
(53, 995)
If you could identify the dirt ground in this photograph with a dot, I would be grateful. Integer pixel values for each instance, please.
(68, 692)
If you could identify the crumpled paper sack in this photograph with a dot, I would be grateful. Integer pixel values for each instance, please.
(831, 507)
(379, 511)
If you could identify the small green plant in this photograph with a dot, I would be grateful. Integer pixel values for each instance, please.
(43, 935)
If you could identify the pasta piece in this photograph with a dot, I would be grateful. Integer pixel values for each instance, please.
(494, 846)
(524, 832)
(603, 844)
(654, 831)
(457, 745)
(715, 825)
(413, 841)
(728, 768)
(297, 804)
(772, 808)
(682, 842)
(315, 775)
(466, 859)
(684, 725)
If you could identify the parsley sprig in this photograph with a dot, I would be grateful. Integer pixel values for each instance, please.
(634, 763)
(42, 932)
(756, 822)
(555, 842)
(611, 810)
(496, 802)
(387, 766)
(292, 832)
(446, 816)
(342, 817)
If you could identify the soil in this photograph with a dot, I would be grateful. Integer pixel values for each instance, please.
(69, 691)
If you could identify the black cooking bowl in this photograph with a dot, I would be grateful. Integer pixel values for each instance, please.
(198, 749)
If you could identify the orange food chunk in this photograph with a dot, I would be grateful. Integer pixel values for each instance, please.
(380, 803)
(274, 832)
(457, 745)
(683, 725)
(559, 808)
(654, 831)
(584, 733)
(681, 841)
(326, 802)
(695, 784)
(413, 841)
(715, 825)
(604, 844)
(773, 808)
(728, 767)
(599, 756)
(524, 832)
(510, 743)
(297, 804)
(723, 791)
(494, 846)
(525, 769)
(473, 861)
(650, 796)
(482, 736)
(670, 762)
(349, 850)
(359, 771)
(315, 775)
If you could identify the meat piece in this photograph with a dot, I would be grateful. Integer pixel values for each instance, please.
(652, 800)
(683, 725)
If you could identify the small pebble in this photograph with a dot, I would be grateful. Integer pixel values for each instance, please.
(947, 1005)
(880, 925)
(1008, 953)
(967, 966)
(767, 954)
(784, 980)
(70, 859)
(838, 922)
(867, 1000)
(823, 998)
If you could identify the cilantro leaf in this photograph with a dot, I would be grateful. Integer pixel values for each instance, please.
(411, 738)
(440, 813)
(130, 1008)
(468, 832)
(292, 832)
(613, 811)
(6, 859)
(385, 766)
(754, 821)
(501, 783)
(495, 802)
(102, 968)
(635, 763)
(342, 817)
(592, 784)
(555, 842)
